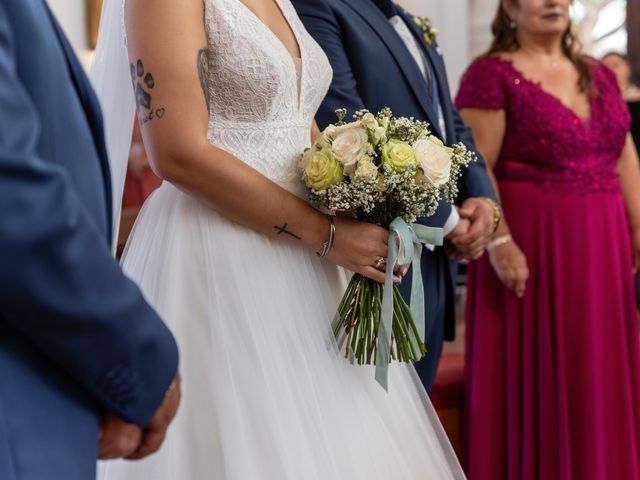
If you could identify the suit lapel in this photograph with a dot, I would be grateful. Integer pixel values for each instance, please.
(437, 67)
(91, 109)
(383, 28)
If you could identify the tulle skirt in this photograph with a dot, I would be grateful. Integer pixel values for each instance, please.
(266, 395)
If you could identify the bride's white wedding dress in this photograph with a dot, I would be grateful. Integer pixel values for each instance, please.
(266, 396)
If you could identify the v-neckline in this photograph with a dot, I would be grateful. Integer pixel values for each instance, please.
(538, 85)
(279, 41)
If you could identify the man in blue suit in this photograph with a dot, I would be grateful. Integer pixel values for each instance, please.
(86, 366)
(383, 57)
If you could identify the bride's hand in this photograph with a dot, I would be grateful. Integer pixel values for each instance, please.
(359, 246)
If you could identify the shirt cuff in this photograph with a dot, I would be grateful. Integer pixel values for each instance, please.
(452, 221)
(449, 225)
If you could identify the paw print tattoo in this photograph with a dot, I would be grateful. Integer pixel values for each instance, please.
(143, 83)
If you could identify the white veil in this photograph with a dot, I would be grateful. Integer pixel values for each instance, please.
(111, 79)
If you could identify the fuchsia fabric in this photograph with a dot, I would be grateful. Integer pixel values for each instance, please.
(553, 380)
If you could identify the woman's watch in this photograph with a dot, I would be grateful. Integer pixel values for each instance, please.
(497, 212)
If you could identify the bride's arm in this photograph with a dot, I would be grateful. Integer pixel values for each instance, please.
(166, 39)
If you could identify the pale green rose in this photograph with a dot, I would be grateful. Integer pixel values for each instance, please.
(434, 159)
(349, 146)
(369, 121)
(307, 155)
(366, 169)
(399, 155)
(323, 170)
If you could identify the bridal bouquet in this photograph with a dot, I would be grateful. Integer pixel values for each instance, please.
(388, 171)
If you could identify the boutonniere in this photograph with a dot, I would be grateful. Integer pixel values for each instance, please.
(428, 32)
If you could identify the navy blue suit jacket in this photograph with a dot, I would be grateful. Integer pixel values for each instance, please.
(373, 69)
(76, 336)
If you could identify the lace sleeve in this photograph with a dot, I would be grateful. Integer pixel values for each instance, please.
(483, 86)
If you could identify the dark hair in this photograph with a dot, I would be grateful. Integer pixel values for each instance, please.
(506, 40)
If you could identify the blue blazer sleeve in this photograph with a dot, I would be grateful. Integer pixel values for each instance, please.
(323, 26)
(60, 288)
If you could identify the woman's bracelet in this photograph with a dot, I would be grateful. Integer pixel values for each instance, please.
(501, 240)
(328, 243)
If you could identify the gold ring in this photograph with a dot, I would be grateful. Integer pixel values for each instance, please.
(380, 262)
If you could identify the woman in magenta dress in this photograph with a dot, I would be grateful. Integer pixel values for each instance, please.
(552, 354)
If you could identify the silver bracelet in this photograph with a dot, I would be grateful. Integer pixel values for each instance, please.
(501, 240)
(328, 244)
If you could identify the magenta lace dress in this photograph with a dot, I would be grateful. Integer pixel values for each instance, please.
(553, 380)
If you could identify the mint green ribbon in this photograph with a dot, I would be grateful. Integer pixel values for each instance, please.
(405, 246)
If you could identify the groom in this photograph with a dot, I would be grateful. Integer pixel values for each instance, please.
(85, 364)
(383, 57)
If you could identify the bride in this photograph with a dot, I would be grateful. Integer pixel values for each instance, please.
(226, 92)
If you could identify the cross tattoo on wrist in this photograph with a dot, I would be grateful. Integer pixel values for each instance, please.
(283, 229)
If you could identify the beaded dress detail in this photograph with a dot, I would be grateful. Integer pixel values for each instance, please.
(578, 153)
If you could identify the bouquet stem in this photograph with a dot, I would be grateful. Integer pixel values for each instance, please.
(357, 322)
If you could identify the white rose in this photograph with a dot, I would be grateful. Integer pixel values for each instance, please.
(434, 160)
(328, 134)
(349, 146)
(335, 131)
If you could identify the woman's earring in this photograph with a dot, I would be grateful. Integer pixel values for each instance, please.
(512, 24)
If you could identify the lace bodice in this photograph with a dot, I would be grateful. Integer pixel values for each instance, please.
(544, 140)
(261, 111)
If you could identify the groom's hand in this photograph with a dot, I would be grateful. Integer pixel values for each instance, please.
(154, 435)
(118, 438)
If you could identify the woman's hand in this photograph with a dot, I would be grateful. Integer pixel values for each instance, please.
(359, 246)
(510, 265)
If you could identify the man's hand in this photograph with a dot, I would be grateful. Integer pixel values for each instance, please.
(461, 228)
(479, 212)
(118, 438)
(156, 431)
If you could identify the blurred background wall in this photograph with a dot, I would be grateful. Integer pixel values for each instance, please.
(73, 17)
(464, 27)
